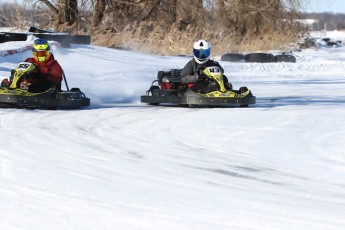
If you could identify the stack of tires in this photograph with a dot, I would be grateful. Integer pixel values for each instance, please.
(284, 58)
(4, 38)
(258, 57)
(65, 39)
(331, 42)
(233, 57)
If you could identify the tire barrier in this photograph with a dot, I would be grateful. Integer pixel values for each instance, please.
(326, 40)
(331, 42)
(37, 30)
(4, 38)
(232, 57)
(16, 36)
(259, 57)
(81, 39)
(284, 58)
(65, 39)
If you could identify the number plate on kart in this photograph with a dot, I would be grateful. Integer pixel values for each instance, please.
(23, 66)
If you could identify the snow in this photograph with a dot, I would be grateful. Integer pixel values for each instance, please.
(121, 164)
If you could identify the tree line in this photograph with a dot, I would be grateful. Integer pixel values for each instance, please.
(245, 15)
(150, 20)
(329, 20)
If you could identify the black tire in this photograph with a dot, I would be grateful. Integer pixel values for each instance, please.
(4, 38)
(37, 30)
(284, 58)
(232, 57)
(150, 91)
(325, 39)
(259, 57)
(63, 39)
(332, 43)
(184, 55)
(16, 36)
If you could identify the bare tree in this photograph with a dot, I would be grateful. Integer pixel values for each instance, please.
(157, 21)
(67, 11)
(64, 11)
(98, 12)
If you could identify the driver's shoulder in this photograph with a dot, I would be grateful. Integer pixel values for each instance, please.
(212, 63)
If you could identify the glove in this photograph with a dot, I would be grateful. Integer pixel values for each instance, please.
(202, 78)
(5, 82)
(201, 71)
(24, 85)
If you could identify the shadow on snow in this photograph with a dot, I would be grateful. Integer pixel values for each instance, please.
(268, 102)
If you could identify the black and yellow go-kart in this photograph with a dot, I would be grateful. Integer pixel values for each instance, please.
(170, 91)
(14, 96)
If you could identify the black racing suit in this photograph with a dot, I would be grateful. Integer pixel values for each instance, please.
(190, 73)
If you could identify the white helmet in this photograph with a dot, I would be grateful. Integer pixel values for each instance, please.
(201, 51)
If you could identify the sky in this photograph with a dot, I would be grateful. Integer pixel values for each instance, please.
(335, 6)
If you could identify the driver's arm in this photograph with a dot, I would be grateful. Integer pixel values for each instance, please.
(187, 73)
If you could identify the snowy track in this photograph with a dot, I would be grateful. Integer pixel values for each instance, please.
(120, 164)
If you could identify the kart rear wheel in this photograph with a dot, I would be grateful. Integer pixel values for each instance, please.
(150, 93)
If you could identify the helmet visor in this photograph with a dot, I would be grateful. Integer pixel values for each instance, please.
(40, 42)
(40, 53)
(202, 54)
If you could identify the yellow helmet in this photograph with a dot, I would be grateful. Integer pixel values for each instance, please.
(41, 50)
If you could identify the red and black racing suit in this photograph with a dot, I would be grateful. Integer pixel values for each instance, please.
(46, 75)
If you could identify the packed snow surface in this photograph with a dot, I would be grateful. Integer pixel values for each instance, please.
(121, 164)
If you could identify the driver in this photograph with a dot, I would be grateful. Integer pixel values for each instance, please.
(191, 72)
(48, 72)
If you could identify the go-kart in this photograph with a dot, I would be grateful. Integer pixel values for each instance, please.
(15, 96)
(168, 89)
